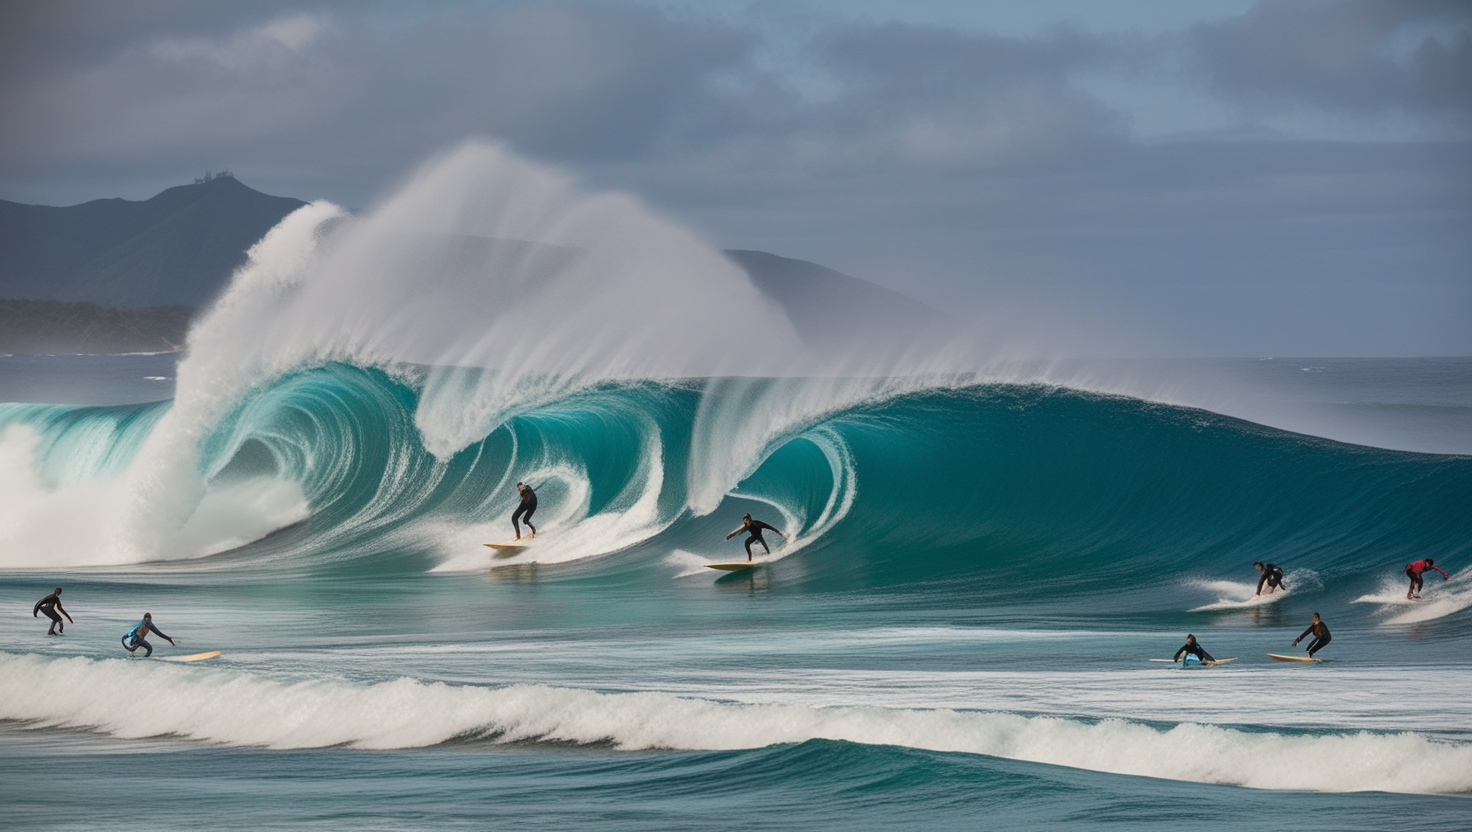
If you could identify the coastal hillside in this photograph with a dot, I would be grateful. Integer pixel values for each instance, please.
(177, 248)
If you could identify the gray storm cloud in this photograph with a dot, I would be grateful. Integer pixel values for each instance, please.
(988, 173)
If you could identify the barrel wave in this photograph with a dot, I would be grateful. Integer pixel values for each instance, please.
(956, 483)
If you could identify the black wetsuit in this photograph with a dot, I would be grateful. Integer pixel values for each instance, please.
(755, 528)
(1272, 576)
(1195, 650)
(1321, 637)
(525, 510)
(49, 605)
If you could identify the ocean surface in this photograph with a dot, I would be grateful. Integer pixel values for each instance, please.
(956, 634)
(956, 637)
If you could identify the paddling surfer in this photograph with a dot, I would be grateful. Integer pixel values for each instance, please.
(1321, 636)
(1272, 575)
(1191, 648)
(754, 528)
(1414, 570)
(136, 636)
(525, 511)
(51, 605)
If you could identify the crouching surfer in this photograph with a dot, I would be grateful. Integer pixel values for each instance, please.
(754, 528)
(136, 636)
(51, 605)
(1414, 570)
(1191, 648)
(1321, 636)
(1272, 575)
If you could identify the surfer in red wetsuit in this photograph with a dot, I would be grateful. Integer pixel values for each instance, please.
(755, 527)
(51, 605)
(1321, 636)
(1414, 570)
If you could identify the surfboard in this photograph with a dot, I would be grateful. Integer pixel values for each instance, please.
(1194, 664)
(1282, 658)
(197, 657)
(510, 548)
(736, 566)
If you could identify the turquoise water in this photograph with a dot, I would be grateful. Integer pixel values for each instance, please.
(956, 637)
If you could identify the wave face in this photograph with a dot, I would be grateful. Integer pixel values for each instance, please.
(877, 487)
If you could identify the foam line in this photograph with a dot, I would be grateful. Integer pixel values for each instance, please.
(135, 699)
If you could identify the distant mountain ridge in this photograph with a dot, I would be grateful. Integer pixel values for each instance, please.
(125, 276)
(178, 248)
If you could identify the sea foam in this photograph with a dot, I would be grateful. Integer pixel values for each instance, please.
(137, 699)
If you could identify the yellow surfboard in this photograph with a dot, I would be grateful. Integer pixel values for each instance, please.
(509, 549)
(197, 657)
(737, 566)
(1283, 658)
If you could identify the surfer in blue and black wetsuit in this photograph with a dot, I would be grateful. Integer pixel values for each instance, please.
(525, 510)
(1191, 648)
(754, 528)
(135, 637)
(1271, 575)
(1321, 636)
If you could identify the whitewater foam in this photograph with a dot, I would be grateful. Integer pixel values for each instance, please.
(136, 699)
(1234, 595)
(1436, 601)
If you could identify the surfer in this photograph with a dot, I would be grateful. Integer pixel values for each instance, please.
(1191, 648)
(1414, 570)
(135, 637)
(524, 511)
(1321, 636)
(1272, 575)
(51, 605)
(754, 528)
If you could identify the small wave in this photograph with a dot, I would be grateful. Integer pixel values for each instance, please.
(1232, 595)
(245, 709)
(1437, 601)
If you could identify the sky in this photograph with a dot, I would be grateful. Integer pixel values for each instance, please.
(1139, 177)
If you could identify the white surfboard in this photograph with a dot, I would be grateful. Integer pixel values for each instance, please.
(1283, 658)
(197, 657)
(735, 566)
(1203, 664)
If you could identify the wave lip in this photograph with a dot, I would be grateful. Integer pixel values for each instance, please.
(244, 709)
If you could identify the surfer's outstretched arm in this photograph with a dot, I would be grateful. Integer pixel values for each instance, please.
(739, 530)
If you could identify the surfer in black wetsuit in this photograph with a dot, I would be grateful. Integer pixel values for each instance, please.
(1271, 575)
(51, 605)
(754, 528)
(525, 510)
(1321, 636)
(135, 637)
(1193, 649)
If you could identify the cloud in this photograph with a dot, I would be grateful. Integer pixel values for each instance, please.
(968, 168)
(1356, 56)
